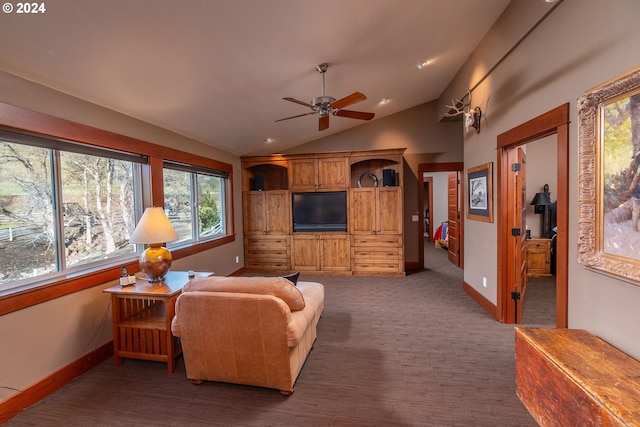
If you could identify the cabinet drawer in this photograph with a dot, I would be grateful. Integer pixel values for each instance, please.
(382, 266)
(391, 240)
(266, 242)
(365, 254)
(268, 253)
(539, 245)
(260, 264)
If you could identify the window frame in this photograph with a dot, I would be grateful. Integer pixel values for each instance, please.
(20, 120)
(56, 149)
(194, 174)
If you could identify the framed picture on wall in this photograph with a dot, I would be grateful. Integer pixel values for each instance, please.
(479, 200)
(609, 177)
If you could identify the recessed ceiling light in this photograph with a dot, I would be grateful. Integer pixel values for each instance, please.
(384, 100)
(426, 62)
(269, 140)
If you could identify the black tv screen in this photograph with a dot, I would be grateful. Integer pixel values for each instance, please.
(326, 211)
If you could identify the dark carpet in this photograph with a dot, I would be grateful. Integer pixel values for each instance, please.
(540, 303)
(400, 351)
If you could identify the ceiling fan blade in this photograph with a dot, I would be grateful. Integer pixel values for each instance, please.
(348, 100)
(355, 114)
(297, 101)
(293, 117)
(323, 122)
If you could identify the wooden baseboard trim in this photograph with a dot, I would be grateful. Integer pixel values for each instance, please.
(481, 300)
(31, 395)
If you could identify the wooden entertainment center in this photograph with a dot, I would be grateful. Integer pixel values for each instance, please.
(373, 241)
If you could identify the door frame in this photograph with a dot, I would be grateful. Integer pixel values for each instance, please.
(436, 167)
(554, 122)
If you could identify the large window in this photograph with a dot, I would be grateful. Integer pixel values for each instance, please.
(64, 207)
(70, 195)
(194, 200)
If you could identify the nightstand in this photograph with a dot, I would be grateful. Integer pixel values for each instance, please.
(142, 315)
(538, 257)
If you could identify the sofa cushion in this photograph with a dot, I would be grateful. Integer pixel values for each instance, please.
(276, 286)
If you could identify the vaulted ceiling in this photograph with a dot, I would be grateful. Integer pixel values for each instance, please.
(217, 70)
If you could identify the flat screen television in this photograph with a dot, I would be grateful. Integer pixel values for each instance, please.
(322, 211)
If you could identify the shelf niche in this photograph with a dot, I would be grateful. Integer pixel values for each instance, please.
(267, 177)
(372, 166)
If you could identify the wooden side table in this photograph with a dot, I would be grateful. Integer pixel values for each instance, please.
(539, 257)
(142, 316)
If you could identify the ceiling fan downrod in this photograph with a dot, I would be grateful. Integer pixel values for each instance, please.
(322, 68)
(322, 102)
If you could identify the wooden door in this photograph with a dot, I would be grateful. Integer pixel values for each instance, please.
(333, 173)
(254, 212)
(362, 211)
(520, 239)
(453, 216)
(303, 174)
(335, 252)
(305, 255)
(278, 212)
(389, 210)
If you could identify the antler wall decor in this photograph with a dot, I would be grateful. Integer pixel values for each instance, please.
(472, 116)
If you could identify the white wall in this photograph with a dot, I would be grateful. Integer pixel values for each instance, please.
(439, 210)
(542, 161)
(580, 45)
(44, 338)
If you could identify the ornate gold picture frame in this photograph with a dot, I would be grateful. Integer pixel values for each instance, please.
(609, 178)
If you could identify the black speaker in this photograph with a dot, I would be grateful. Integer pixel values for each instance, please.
(258, 183)
(388, 177)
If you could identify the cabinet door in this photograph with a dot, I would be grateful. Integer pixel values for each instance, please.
(362, 211)
(278, 212)
(305, 252)
(335, 254)
(332, 173)
(254, 212)
(303, 175)
(389, 210)
(538, 257)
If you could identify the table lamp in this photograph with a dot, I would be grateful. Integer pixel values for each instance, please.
(542, 202)
(154, 229)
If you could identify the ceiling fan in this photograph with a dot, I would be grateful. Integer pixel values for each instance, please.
(326, 105)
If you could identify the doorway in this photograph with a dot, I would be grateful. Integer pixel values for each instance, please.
(541, 177)
(444, 168)
(556, 123)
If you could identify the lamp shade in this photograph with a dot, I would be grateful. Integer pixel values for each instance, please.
(541, 199)
(153, 227)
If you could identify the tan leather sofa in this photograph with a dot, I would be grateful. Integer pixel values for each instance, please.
(247, 330)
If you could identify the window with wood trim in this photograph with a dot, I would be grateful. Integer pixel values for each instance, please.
(64, 207)
(195, 202)
(48, 146)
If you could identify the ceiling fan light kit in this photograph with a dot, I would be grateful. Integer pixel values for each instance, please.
(328, 105)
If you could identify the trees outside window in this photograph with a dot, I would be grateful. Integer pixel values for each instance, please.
(178, 203)
(194, 203)
(99, 214)
(62, 210)
(27, 233)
